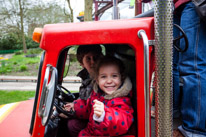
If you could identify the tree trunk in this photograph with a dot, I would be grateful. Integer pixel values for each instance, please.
(22, 27)
(88, 10)
(71, 10)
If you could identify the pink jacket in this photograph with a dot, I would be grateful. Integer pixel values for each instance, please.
(118, 112)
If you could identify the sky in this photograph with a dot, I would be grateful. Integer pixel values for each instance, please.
(78, 6)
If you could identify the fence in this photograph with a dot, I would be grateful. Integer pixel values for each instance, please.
(8, 51)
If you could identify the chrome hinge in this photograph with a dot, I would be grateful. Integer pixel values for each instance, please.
(151, 42)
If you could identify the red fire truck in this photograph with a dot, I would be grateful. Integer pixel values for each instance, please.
(137, 42)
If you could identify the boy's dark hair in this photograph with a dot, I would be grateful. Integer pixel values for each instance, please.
(84, 49)
(111, 60)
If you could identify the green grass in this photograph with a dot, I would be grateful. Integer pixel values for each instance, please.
(20, 65)
(17, 63)
(15, 96)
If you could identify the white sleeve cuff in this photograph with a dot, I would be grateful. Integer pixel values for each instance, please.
(100, 119)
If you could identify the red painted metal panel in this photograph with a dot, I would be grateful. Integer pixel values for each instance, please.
(17, 123)
(50, 58)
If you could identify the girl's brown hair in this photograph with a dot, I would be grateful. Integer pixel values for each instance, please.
(110, 60)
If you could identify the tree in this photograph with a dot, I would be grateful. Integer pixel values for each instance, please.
(22, 25)
(71, 10)
(9, 17)
(12, 12)
(42, 14)
(88, 10)
(20, 17)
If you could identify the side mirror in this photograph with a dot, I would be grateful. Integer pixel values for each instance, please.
(48, 94)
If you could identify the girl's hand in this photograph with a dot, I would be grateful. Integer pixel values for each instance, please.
(69, 106)
(98, 108)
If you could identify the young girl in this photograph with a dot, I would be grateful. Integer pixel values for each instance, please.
(109, 108)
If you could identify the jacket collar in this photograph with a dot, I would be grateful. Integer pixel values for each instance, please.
(83, 74)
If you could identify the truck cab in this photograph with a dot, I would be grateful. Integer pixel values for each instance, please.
(130, 40)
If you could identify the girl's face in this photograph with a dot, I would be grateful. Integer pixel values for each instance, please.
(88, 62)
(109, 78)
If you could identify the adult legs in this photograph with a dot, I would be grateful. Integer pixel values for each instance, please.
(192, 67)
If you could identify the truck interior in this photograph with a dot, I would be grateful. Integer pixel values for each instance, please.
(123, 52)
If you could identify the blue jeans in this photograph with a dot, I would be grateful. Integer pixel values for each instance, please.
(191, 67)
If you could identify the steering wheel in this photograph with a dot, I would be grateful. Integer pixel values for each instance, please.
(180, 37)
(65, 96)
(60, 100)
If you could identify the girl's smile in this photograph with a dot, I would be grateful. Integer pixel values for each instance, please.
(109, 79)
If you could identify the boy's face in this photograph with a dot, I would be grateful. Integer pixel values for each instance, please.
(88, 62)
(109, 78)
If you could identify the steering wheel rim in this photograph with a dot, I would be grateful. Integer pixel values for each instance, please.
(59, 101)
(69, 94)
(180, 37)
(59, 106)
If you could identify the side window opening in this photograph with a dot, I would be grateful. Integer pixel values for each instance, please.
(121, 51)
